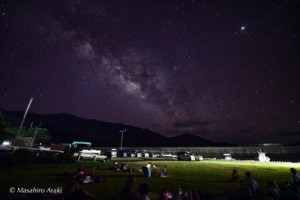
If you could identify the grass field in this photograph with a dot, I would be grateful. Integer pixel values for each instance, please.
(208, 176)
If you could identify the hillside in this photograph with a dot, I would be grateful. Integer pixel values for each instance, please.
(68, 128)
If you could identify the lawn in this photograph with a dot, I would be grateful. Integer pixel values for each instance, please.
(208, 176)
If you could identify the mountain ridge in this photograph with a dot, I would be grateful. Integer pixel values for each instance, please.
(64, 127)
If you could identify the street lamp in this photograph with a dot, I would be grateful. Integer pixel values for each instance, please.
(122, 131)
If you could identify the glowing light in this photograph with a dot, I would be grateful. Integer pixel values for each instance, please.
(6, 143)
(243, 29)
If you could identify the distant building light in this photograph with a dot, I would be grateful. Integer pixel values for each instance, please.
(6, 143)
(270, 144)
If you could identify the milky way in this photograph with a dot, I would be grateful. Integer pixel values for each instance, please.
(220, 70)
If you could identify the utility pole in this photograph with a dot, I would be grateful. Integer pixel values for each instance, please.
(122, 131)
(35, 132)
(24, 117)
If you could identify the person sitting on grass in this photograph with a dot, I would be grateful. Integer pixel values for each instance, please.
(79, 173)
(161, 171)
(251, 184)
(143, 191)
(165, 195)
(273, 190)
(74, 192)
(296, 179)
(128, 192)
(149, 166)
(126, 168)
(234, 176)
(193, 195)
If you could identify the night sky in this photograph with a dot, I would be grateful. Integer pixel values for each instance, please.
(221, 70)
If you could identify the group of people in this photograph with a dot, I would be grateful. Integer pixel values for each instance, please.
(129, 193)
(251, 189)
(151, 170)
(74, 181)
(122, 168)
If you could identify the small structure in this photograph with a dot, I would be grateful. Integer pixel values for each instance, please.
(76, 144)
(227, 156)
(200, 158)
(91, 154)
(114, 153)
(262, 156)
(22, 142)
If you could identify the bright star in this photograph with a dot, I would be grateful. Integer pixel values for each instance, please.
(243, 29)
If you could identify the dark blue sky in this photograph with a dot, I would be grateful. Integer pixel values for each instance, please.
(170, 66)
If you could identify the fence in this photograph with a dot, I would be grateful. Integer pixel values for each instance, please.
(276, 153)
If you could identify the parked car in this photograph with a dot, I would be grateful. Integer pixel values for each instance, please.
(185, 155)
(167, 156)
(138, 154)
(132, 154)
(145, 154)
(153, 154)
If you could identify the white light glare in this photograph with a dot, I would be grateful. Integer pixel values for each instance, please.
(6, 143)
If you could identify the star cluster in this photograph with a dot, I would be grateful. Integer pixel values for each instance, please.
(220, 70)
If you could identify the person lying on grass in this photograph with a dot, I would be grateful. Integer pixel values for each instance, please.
(81, 176)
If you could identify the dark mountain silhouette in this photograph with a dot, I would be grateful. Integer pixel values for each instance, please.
(67, 128)
(190, 140)
(295, 144)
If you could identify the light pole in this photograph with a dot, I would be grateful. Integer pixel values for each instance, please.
(122, 131)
